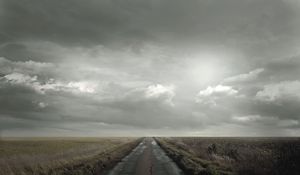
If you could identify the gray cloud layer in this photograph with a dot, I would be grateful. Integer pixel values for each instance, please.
(162, 67)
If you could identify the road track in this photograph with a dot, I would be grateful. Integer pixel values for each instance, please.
(146, 159)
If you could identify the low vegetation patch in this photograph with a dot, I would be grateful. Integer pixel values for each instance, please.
(76, 156)
(245, 156)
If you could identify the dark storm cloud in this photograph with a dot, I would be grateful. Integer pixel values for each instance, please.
(257, 29)
(15, 51)
(160, 66)
(284, 69)
(63, 21)
(94, 21)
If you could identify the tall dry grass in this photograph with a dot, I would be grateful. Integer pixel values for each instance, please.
(245, 156)
(33, 155)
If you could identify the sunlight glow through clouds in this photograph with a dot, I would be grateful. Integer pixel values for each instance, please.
(188, 65)
(205, 68)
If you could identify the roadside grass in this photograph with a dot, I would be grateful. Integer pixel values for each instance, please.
(61, 155)
(245, 156)
(190, 163)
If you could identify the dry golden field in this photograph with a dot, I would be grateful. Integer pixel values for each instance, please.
(61, 155)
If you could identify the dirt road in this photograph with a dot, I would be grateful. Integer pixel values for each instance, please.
(146, 159)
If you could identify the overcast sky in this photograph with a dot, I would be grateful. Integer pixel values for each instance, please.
(149, 67)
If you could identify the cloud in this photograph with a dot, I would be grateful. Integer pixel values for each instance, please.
(135, 22)
(283, 69)
(160, 91)
(18, 78)
(285, 89)
(218, 90)
(109, 66)
(247, 118)
(261, 104)
(211, 94)
(50, 85)
(269, 122)
(84, 87)
(27, 67)
(42, 104)
(288, 123)
(251, 76)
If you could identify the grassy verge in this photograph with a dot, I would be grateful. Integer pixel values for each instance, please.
(191, 164)
(234, 155)
(76, 156)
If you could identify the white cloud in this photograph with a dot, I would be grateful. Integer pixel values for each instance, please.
(211, 94)
(27, 67)
(160, 91)
(155, 91)
(25, 80)
(218, 90)
(51, 84)
(18, 78)
(244, 77)
(247, 118)
(275, 91)
(84, 87)
(42, 104)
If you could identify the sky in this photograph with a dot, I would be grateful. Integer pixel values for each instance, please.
(149, 68)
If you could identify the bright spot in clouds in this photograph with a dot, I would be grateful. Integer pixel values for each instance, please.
(247, 118)
(85, 87)
(204, 68)
(42, 104)
(168, 68)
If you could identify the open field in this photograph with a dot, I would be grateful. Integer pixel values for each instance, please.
(194, 155)
(245, 156)
(62, 155)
